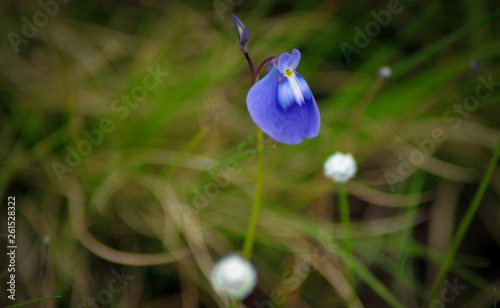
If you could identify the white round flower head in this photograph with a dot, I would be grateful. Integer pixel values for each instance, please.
(340, 167)
(385, 72)
(234, 276)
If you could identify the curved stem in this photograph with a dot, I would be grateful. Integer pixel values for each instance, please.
(252, 227)
(256, 76)
(250, 63)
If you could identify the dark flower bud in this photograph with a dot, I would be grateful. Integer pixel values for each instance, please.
(243, 33)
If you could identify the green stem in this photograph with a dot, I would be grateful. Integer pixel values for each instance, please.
(345, 217)
(345, 220)
(464, 225)
(252, 227)
(34, 301)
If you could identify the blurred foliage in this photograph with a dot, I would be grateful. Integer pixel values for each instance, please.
(164, 184)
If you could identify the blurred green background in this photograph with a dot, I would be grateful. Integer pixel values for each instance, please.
(126, 142)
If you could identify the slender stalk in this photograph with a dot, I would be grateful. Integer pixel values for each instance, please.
(256, 76)
(345, 217)
(250, 63)
(252, 227)
(464, 225)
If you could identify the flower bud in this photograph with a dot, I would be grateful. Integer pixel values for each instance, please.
(243, 33)
(340, 167)
(385, 72)
(234, 276)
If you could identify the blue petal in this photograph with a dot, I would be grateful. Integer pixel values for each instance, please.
(284, 61)
(289, 92)
(287, 61)
(289, 125)
(293, 90)
(269, 67)
(304, 87)
(295, 59)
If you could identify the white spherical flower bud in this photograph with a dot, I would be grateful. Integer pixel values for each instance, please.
(234, 276)
(340, 167)
(385, 72)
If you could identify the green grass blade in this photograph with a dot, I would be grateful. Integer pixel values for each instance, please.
(34, 301)
(370, 279)
(464, 224)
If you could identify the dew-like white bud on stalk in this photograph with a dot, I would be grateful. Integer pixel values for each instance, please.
(340, 167)
(234, 276)
(385, 72)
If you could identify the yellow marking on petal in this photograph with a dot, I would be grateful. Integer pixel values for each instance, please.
(279, 79)
(289, 73)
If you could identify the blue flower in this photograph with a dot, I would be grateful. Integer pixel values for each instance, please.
(282, 104)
